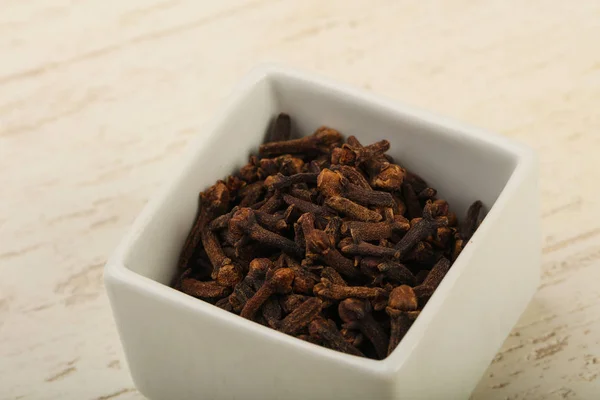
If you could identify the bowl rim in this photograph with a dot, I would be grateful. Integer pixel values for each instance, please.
(117, 273)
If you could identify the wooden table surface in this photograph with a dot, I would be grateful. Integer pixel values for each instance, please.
(99, 98)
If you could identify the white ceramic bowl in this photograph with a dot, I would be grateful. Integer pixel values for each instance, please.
(179, 347)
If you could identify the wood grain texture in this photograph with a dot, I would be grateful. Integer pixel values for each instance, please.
(98, 100)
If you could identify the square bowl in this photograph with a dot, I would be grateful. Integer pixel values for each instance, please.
(179, 347)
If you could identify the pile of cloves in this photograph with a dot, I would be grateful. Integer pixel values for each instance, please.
(325, 240)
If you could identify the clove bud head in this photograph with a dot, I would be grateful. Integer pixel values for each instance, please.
(390, 178)
(281, 281)
(351, 310)
(402, 298)
(240, 221)
(329, 183)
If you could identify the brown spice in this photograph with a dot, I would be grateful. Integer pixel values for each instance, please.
(326, 331)
(301, 316)
(357, 314)
(396, 272)
(319, 246)
(307, 207)
(329, 290)
(280, 282)
(402, 300)
(471, 222)
(330, 242)
(244, 221)
(320, 141)
(291, 301)
(368, 249)
(203, 290)
(353, 210)
(280, 181)
(271, 312)
(282, 129)
(367, 231)
(424, 228)
(435, 276)
(353, 175)
(333, 184)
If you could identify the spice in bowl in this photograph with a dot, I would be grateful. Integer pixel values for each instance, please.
(324, 239)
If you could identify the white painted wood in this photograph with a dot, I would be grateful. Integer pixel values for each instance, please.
(99, 98)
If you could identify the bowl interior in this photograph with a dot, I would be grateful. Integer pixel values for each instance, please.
(463, 166)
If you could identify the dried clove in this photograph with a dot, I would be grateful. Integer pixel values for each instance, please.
(273, 222)
(396, 272)
(228, 275)
(436, 208)
(356, 313)
(437, 273)
(212, 202)
(291, 301)
(245, 289)
(319, 246)
(352, 154)
(334, 184)
(402, 299)
(271, 312)
(353, 337)
(224, 304)
(280, 181)
(424, 228)
(203, 290)
(321, 141)
(422, 253)
(222, 222)
(415, 181)
(282, 129)
(252, 193)
(272, 204)
(332, 230)
(289, 165)
(353, 210)
(333, 276)
(307, 207)
(280, 282)
(353, 175)
(331, 291)
(326, 240)
(384, 174)
(304, 280)
(471, 222)
(326, 331)
(368, 231)
(244, 222)
(458, 246)
(390, 178)
(301, 316)
(427, 194)
(302, 194)
(371, 250)
(214, 251)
